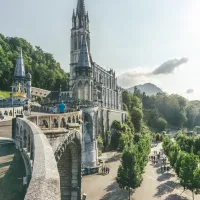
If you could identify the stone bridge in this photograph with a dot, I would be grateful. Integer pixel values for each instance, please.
(51, 147)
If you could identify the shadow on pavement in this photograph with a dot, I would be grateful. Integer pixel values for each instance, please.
(158, 171)
(165, 176)
(175, 197)
(114, 158)
(115, 193)
(166, 187)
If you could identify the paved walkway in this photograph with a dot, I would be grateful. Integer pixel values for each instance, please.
(155, 186)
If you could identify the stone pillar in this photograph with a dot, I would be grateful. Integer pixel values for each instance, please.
(89, 140)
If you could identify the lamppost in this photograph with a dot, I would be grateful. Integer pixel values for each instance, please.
(12, 94)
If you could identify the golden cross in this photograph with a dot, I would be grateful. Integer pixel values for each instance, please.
(19, 87)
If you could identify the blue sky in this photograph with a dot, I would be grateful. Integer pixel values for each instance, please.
(126, 35)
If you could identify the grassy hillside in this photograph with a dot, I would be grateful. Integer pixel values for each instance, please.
(4, 94)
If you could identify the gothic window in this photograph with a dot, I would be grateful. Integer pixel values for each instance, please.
(88, 42)
(80, 91)
(79, 37)
(91, 92)
(75, 43)
(108, 97)
(86, 91)
(67, 97)
(105, 97)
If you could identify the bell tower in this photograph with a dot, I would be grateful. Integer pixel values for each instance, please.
(80, 29)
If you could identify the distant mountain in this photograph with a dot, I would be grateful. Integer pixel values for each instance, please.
(148, 88)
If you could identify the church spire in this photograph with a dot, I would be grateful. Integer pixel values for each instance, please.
(80, 9)
(19, 68)
(84, 57)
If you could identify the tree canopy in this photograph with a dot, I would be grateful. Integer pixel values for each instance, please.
(45, 70)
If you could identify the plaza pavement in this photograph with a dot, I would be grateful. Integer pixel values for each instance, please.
(155, 186)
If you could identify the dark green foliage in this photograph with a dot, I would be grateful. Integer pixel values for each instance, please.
(133, 103)
(173, 110)
(115, 134)
(197, 129)
(185, 164)
(46, 72)
(133, 162)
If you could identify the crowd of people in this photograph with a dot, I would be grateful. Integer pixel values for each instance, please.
(155, 159)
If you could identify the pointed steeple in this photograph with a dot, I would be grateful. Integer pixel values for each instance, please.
(80, 9)
(84, 57)
(73, 15)
(88, 17)
(19, 68)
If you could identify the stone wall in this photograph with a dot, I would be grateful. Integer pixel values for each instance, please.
(45, 181)
(106, 118)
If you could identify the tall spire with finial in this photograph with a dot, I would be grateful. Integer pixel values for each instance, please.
(80, 9)
(19, 68)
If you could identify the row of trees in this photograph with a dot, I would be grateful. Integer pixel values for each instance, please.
(46, 72)
(186, 165)
(188, 144)
(134, 159)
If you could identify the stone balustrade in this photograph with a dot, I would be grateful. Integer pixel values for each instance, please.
(41, 166)
(55, 121)
(11, 111)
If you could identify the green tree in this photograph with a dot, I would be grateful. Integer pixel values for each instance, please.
(197, 129)
(129, 176)
(136, 116)
(161, 124)
(188, 166)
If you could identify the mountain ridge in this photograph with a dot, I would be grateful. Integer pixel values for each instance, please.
(148, 88)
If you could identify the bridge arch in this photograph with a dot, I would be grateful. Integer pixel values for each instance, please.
(68, 157)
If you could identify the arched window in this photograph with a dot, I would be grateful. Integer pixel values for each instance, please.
(86, 91)
(91, 92)
(67, 97)
(79, 40)
(80, 91)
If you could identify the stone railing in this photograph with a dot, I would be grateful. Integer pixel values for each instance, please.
(11, 111)
(55, 121)
(41, 166)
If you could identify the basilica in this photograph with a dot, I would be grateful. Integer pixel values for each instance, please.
(90, 84)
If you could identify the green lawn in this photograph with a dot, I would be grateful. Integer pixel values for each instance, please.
(4, 94)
